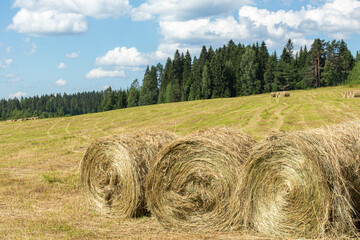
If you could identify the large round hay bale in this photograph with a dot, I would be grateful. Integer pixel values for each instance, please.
(191, 180)
(301, 184)
(114, 168)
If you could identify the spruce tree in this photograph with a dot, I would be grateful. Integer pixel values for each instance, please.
(134, 94)
(206, 83)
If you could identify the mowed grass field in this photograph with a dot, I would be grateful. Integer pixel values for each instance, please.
(40, 196)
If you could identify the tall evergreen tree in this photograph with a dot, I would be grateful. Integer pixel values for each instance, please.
(187, 76)
(108, 100)
(206, 83)
(166, 79)
(149, 90)
(246, 80)
(134, 94)
(316, 61)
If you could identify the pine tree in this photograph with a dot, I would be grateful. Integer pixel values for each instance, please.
(246, 80)
(316, 61)
(149, 90)
(177, 76)
(166, 79)
(346, 60)
(134, 94)
(187, 77)
(206, 83)
(269, 77)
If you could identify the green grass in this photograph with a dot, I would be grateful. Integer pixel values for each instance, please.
(39, 160)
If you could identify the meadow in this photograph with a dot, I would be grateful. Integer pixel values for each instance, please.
(40, 196)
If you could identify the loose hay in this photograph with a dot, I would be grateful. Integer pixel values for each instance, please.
(114, 168)
(192, 179)
(302, 184)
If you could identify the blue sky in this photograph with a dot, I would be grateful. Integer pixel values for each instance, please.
(57, 46)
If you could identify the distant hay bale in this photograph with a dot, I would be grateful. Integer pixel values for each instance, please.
(191, 180)
(114, 168)
(280, 94)
(302, 184)
(351, 94)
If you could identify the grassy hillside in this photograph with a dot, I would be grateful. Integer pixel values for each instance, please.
(39, 159)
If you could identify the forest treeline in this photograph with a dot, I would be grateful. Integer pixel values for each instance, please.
(229, 71)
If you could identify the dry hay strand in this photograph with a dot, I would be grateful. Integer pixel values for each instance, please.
(191, 181)
(114, 168)
(302, 184)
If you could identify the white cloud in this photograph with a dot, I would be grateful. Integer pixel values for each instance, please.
(29, 46)
(337, 19)
(126, 57)
(48, 22)
(176, 10)
(41, 17)
(12, 77)
(6, 63)
(61, 66)
(8, 49)
(60, 82)
(73, 54)
(100, 73)
(17, 95)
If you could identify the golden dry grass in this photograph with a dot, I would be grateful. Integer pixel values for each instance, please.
(114, 169)
(191, 181)
(40, 195)
(302, 184)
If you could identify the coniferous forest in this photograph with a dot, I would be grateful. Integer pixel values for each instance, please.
(229, 71)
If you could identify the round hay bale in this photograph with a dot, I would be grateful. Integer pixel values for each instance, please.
(114, 168)
(192, 179)
(301, 184)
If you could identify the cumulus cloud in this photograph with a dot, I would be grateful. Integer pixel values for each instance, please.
(12, 77)
(29, 46)
(337, 19)
(123, 56)
(176, 10)
(48, 22)
(17, 95)
(73, 54)
(41, 17)
(6, 63)
(60, 82)
(61, 66)
(101, 73)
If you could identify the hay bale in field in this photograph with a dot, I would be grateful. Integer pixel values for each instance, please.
(346, 94)
(302, 184)
(280, 94)
(283, 94)
(351, 94)
(114, 168)
(191, 180)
